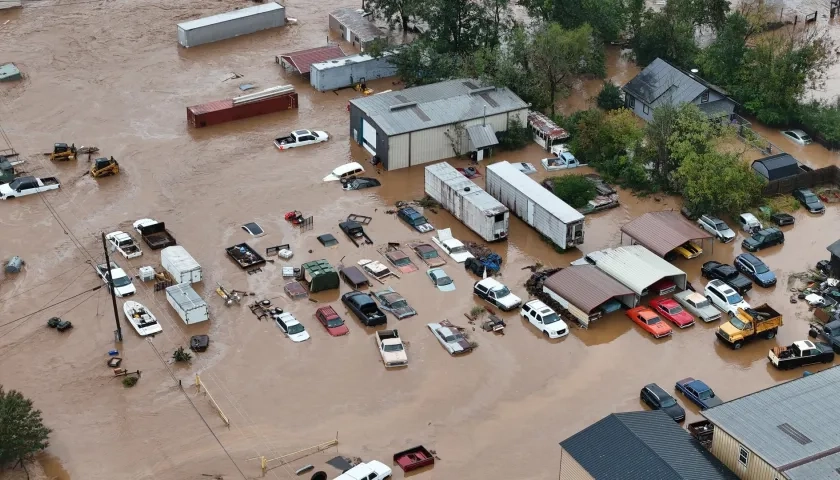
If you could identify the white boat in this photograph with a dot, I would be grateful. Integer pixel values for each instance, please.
(141, 319)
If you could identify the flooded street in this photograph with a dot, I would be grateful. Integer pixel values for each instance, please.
(498, 412)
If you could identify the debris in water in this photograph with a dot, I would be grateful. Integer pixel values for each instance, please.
(247, 86)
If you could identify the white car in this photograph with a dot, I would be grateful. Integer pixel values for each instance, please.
(122, 282)
(545, 319)
(452, 246)
(291, 327)
(450, 337)
(725, 297)
(496, 293)
(798, 136)
(344, 172)
(143, 222)
(372, 470)
(299, 138)
(749, 223)
(123, 243)
(716, 227)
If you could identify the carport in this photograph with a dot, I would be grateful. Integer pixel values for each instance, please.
(638, 268)
(661, 232)
(583, 290)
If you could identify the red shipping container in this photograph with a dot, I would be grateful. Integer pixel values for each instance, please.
(222, 111)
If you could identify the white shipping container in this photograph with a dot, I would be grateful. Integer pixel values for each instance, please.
(535, 205)
(467, 202)
(180, 264)
(231, 24)
(189, 305)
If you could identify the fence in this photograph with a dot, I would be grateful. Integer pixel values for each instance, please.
(200, 386)
(820, 176)
(291, 457)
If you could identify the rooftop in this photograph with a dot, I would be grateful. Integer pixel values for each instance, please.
(443, 103)
(774, 167)
(648, 445)
(359, 25)
(536, 192)
(663, 231)
(342, 61)
(637, 267)
(788, 425)
(228, 16)
(302, 60)
(585, 286)
(465, 187)
(660, 77)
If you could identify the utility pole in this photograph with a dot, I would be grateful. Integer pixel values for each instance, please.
(118, 332)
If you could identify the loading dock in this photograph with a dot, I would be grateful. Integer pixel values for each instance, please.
(588, 293)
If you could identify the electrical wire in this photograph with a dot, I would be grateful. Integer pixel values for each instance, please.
(45, 282)
(47, 307)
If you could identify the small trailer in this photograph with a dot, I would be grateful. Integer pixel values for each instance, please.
(231, 24)
(189, 305)
(180, 264)
(154, 233)
(245, 256)
(414, 458)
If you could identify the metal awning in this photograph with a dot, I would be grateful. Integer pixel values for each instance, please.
(481, 136)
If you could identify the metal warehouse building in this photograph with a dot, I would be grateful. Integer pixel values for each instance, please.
(344, 72)
(433, 122)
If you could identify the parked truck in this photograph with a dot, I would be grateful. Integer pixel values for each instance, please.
(123, 243)
(828, 333)
(154, 233)
(535, 205)
(470, 204)
(391, 348)
(800, 354)
(28, 186)
(180, 264)
(749, 323)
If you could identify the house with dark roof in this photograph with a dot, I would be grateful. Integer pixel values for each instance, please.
(776, 167)
(661, 83)
(785, 432)
(638, 446)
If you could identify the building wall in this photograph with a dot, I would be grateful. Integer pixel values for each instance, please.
(398, 149)
(727, 450)
(347, 74)
(356, 117)
(571, 469)
(638, 107)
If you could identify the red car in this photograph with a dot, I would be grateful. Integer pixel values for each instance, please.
(331, 321)
(649, 320)
(672, 311)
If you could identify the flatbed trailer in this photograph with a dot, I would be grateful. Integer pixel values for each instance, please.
(245, 256)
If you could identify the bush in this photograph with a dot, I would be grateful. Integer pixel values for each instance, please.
(22, 432)
(516, 137)
(822, 120)
(575, 190)
(181, 355)
(131, 381)
(610, 97)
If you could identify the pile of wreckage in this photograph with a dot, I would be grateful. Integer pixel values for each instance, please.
(484, 259)
(821, 291)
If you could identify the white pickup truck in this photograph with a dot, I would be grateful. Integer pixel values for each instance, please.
(122, 282)
(27, 186)
(372, 470)
(123, 243)
(391, 348)
(299, 138)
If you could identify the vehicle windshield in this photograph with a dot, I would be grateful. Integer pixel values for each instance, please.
(652, 320)
(734, 298)
(15, 184)
(668, 402)
(675, 310)
(550, 318)
(442, 281)
(122, 281)
(419, 221)
(738, 323)
(762, 268)
(703, 304)
(393, 348)
(452, 338)
(720, 226)
(399, 304)
(502, 292)
(806, 138)
(430, 254)
(335, 322)
(297, 328)
(706, 394)
(457, 249)
(401, 262)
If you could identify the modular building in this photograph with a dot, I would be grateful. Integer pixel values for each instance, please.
(231, 24)
(467, 202)
(432, 122)
(355, 26)
(189, 305)
(180, 264)
(535, 205)
(347, 71)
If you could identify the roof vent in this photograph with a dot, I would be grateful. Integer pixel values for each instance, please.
(466, 189)
(400, 106)
(794, 433)
(478, 91)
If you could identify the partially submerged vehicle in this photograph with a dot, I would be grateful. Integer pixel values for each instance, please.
(428, 254)
(698, 305)
(441, 280)
(354, 277)
(291, 327)
(22, 186)
(563, 161)
(245, 256)
(526, 168)
(141, 319)
(391, 349)
(800, 354)
(154, 233)
(300, 138)
(355, 232)
(123, 243)
(375, 269)
(394, 303)
(414, 218)
(364, 308)
(122, 282)
(452, 246)
(414, 458)
(400, 260)
(450, 337)
(345, 172)
(359, 183)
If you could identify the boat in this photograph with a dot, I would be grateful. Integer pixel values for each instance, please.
(141, 319)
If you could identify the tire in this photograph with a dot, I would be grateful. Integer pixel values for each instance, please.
(547, 336)
(737, 345)
(10, 197)
(812, 334)
(771, 334)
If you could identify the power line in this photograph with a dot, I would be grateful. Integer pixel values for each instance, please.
(47, 307)
(44, 282)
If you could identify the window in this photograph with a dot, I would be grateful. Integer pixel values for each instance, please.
(704, 97)
(645, 109)
(743, 456)
(631, 101)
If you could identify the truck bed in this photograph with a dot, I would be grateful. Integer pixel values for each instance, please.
(50, 181)
(245, 256)
(157, 236)
(387, 334)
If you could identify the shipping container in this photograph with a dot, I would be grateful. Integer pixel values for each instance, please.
(535, 205)
(180, 264)
(231, 24)
(189, 305)
(221, 111)
(467, 202)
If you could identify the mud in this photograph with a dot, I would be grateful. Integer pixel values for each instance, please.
(497, 412)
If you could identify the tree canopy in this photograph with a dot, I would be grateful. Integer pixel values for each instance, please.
(22, 431)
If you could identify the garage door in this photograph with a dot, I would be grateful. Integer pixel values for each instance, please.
(368, 137)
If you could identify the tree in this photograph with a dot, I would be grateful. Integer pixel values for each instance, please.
(22, 432)
(718, 183)
(823, 117)
(455, 26)
(722, 60)
(664, 36)
(395, 12)
(516, 136)
(609, 98)
(575, 190)
(558, 56)
(606, 17)
(608, 142)
(419, 64)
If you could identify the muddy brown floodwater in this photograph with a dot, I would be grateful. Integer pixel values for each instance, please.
(111, 74)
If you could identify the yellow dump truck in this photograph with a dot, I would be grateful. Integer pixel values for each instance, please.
(749, 323)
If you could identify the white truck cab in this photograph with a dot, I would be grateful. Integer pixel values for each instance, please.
(372, 470)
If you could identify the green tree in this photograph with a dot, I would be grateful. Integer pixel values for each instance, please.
(608, 142)
(722, 61)
(396, 12)
(558, 56)
(455, 26)
(664, 36)
(606, 17)
(823, 117)
(718, 183)
(22, 432)
(419, 64)
(609, 98)
(516, 137)
(575, 190)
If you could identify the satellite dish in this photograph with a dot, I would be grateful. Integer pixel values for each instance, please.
(694, 70)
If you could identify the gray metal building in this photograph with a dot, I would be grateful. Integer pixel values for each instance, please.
(231, 24)
(344, 72)
(432, 122)
(355, 27)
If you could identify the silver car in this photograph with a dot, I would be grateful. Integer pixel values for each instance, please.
(441, 279)
(395, 303)
(798, 136)
(716, 227)
(697, 305)
(451, 338)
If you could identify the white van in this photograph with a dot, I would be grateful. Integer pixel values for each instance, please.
(345, 171)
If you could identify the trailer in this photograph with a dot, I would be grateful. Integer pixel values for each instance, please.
(245, 256)
(476, 208)
(231, 24)
(270, 100)
(535, 205)
(180, 264)
(189, 305)
(155, 234)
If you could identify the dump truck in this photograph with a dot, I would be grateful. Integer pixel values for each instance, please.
(391, 348)
(749, 323)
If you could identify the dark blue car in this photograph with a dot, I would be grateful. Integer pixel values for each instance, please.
(699, 393)
(753, 267)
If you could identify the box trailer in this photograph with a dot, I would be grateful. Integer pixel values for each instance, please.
(476, 208)
(271, 100)
(231, 24)
(535, 205)
(189, 305)
(180, 264)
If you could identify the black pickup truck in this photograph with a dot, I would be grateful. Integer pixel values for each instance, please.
(364, 308)
(800, 354)
(828, 333)
(727, 274)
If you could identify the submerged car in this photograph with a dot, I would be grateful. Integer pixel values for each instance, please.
(496, 293)
(657, 398)
(364, 308)
(291, 327)
(331, 321)
(414, 218)
(670, 310)
(526, 168)
(649, 321)
(123, 286)
(452, 246)
(359, 183)
(345, 172)
(716, 227)
(299, 138)
(544, 318)
(395, 303)
(441, 279)
(428, 254)
(797, 136)
(401, 261)
(729, 274)
(698, 392)
(687, 250)
(725, 298)
(763, 239)
(698, 305)
(563, 161)
(451, 338)
(809, 200)
(754, 268)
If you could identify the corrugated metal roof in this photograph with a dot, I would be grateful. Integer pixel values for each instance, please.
(636, 266)
(585, 286)
(645, 445)
(481, 136)
(211, 106)
(444, 103)
(536, 192)
(228, 16)
(340, 62)
(458, 182)
(359, 25)
(660, 83)
(663, 231)
(789, 425)
(546, 126)
(302, 60)
(834, 248)
(184, 295)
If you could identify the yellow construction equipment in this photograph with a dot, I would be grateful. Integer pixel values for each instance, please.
(103, 167)
(362, 87)
(62, 152)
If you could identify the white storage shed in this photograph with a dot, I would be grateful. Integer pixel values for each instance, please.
(231, 24)
(638, 268)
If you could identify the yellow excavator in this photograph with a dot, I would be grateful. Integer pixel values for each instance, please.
(104, 167)
(362, 87)
(62, 152)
